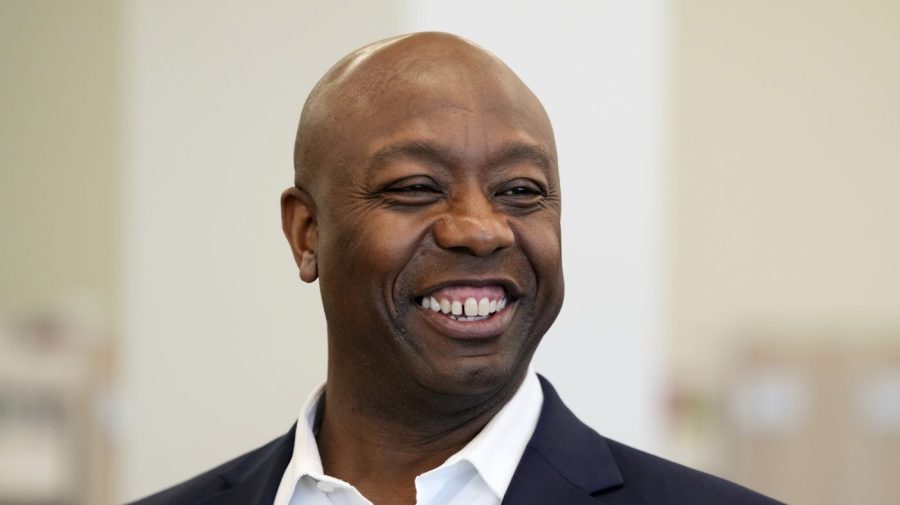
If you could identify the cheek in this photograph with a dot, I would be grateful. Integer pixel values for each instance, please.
(367, 252)
(359, 260)
(540, 241)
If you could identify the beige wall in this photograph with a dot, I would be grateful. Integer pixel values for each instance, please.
(60, 144)
(59, 153)
(785, 180)
(784, 239)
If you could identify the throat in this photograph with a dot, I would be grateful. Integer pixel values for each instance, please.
(394, 445)
(382, 466)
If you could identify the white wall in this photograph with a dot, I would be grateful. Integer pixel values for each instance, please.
(599, 69)
(222, 342)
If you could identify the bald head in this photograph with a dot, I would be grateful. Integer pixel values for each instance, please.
(409, 73)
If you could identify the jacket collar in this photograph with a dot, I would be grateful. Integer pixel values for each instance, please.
(565, 461)
(255, 480)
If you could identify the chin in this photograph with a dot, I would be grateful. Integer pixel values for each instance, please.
(474, 375)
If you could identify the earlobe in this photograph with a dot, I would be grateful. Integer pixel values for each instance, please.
(309, 269)
(298, 221)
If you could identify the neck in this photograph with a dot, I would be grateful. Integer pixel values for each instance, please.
(379, 438)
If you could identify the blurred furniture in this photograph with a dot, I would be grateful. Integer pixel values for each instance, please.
(816, 421)
(55, 411)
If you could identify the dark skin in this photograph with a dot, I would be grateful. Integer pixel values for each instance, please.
(421, 162)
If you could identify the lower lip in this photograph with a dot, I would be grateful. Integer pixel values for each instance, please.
(470, 330)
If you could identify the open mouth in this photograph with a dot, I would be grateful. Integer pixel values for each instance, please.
(466, 303)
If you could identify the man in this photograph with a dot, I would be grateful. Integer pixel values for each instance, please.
(427, 204)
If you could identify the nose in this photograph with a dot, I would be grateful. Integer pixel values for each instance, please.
(473, 226)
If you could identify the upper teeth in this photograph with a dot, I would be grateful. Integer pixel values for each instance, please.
(470, 306)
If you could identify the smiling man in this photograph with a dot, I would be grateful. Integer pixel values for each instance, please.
(426, 204)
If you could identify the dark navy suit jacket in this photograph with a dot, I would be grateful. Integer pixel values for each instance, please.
(565, 463)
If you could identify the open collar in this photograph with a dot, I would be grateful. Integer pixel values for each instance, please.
(565, 462)
(496, 450)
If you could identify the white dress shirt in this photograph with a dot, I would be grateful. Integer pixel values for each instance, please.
(476, 475)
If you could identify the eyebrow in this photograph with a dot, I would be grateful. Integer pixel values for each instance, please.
(419, 150)
(516, 152)
(509, 154)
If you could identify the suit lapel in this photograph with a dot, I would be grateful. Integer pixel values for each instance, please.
(255, 482)
(564, 462)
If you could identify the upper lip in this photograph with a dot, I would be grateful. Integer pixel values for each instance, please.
(509, 285)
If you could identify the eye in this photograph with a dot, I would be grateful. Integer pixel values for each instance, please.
(412, 191)
(521, 193)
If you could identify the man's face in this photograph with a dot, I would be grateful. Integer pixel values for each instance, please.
(438, 237)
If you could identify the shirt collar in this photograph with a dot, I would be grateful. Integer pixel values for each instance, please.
(495, 452)
(305, 459)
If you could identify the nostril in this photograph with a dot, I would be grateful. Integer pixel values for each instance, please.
(459, 249)
(479, 236)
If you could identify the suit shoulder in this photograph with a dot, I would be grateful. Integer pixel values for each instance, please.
(659, 480)
(209, 482)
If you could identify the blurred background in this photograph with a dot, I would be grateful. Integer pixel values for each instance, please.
(731, 231)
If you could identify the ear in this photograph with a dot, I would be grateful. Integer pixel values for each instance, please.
(298, 220)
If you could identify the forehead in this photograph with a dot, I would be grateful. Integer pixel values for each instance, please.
(471, 110)
(465, 121)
